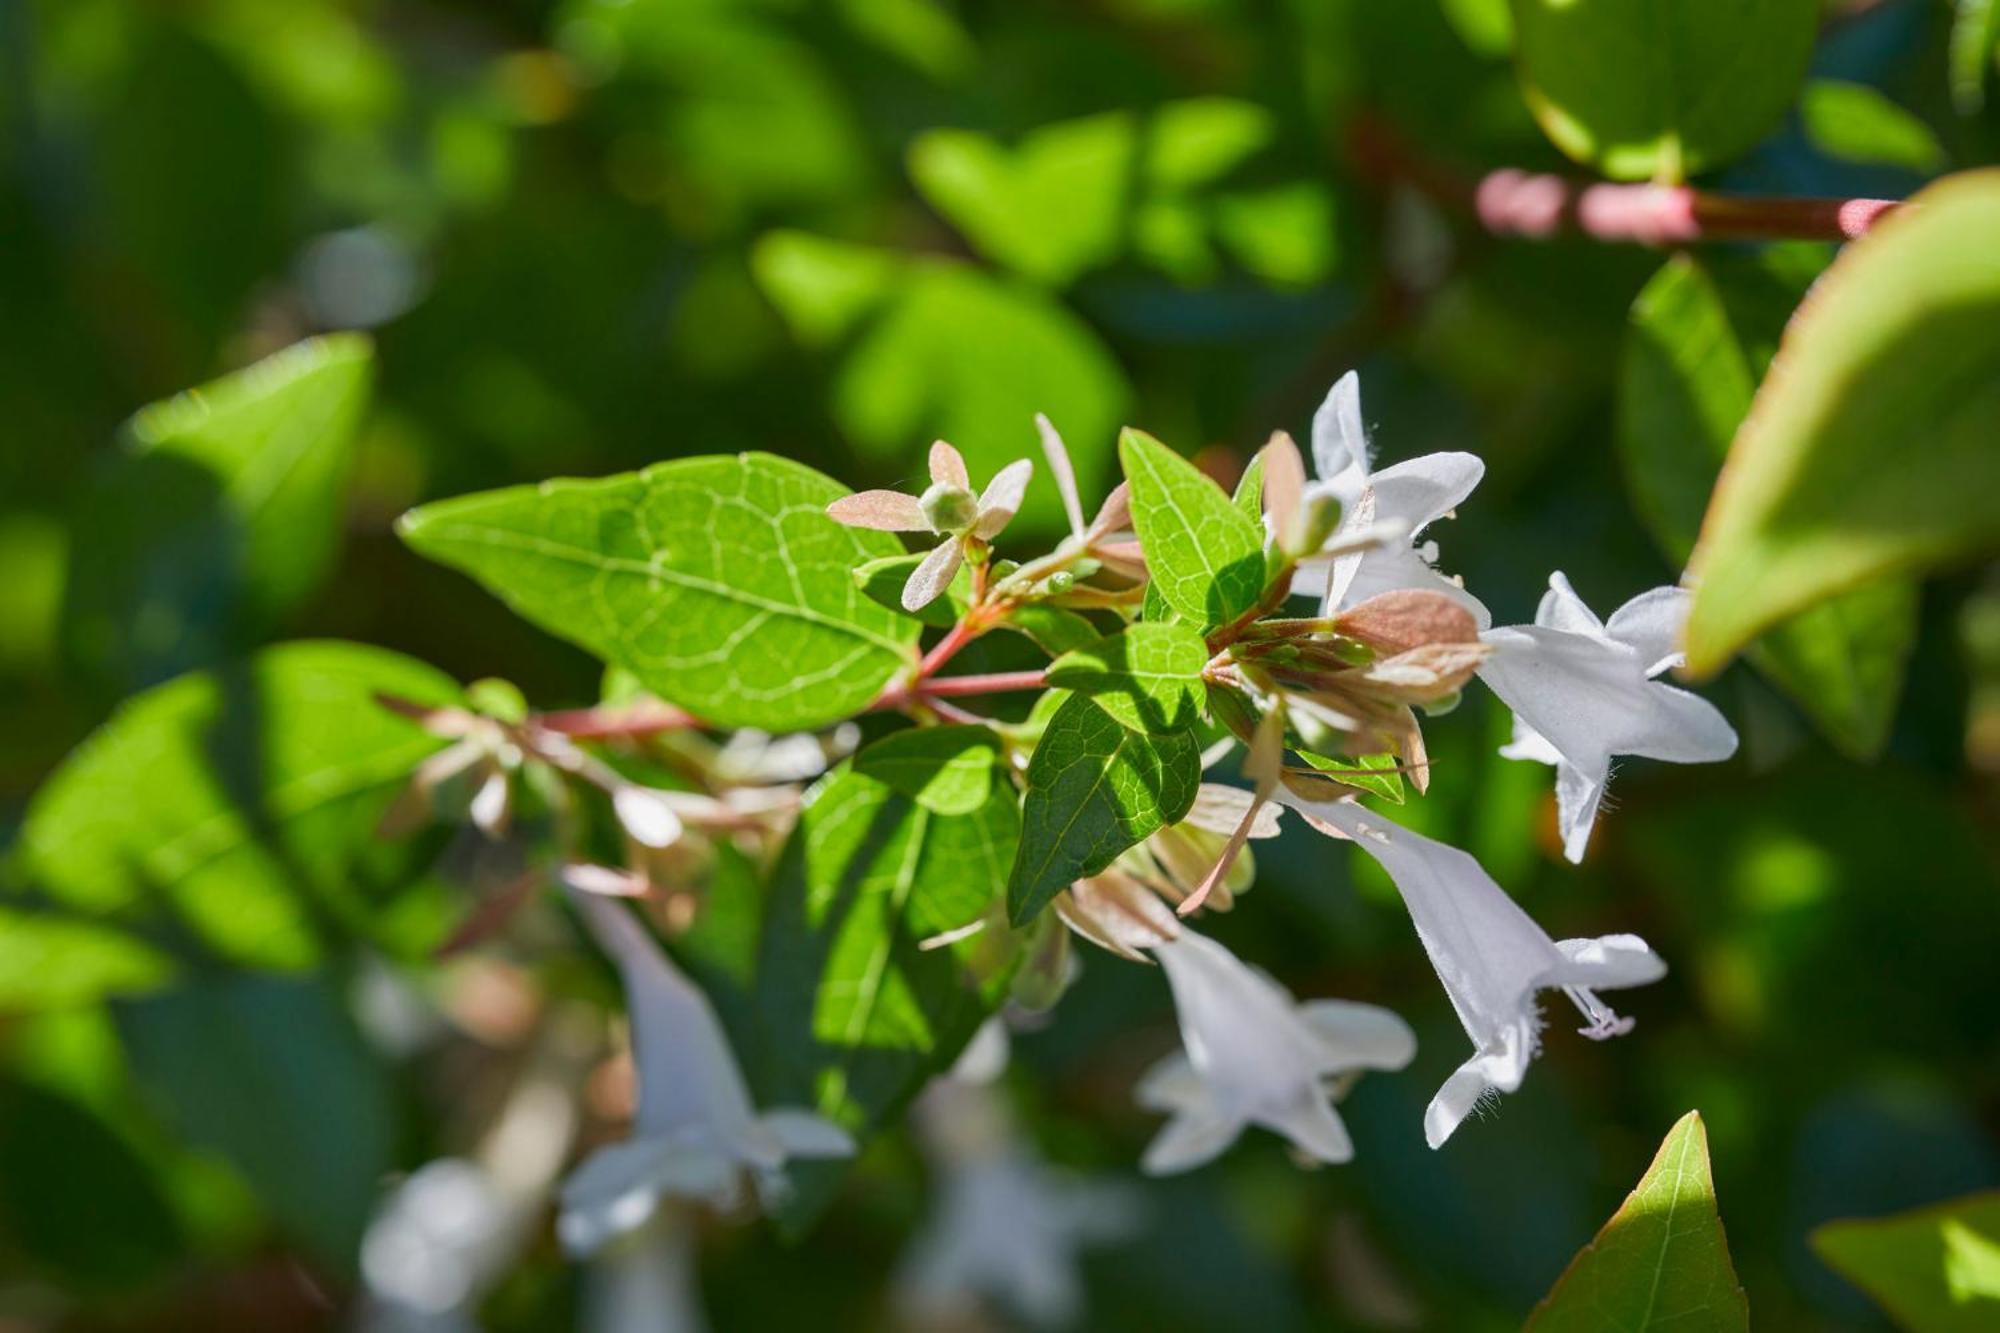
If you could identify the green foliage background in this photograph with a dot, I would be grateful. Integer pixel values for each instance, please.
(589, 236)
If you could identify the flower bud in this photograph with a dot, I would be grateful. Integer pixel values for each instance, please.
(949, 508)
(1322, 517)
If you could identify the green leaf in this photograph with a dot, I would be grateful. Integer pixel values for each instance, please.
(1661, 91)
(1146, 676)
(854, 1017)
(719, 582)
(946, 770)
(1249, 493)
(1061, 201)
(964, 356)
(236, 809)
(1095, 788)
(1702, 334)
(1868, 451)
(59, 962)
(1935, 1270)
(1662, 1260)
(1205, 555)
(225, 510)
(1975, 50)
(1054, 630)
(1383, 781)
(272, 1074)
(881, 582)
(1856, 123)
(823, 287)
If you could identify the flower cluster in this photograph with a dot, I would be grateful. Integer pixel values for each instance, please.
(1325, 703)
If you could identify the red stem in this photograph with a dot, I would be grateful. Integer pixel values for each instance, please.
(1512, 202)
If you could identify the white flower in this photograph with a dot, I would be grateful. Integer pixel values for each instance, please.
(1255, 1057)
(948, 508)
(1582, 690)
(1490, 955)
(647, 1282)
(695, 1133)
(1404, 499)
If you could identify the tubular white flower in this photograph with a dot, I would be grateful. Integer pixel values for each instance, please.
(1405, 497)
(695, 1133)
(1253, 1056)
(1490, 955)
(1582, 690)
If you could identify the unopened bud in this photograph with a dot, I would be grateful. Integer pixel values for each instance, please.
(1059, 582)
(949, 508)
(1322, 518)
(1440, 706)
(499, 699)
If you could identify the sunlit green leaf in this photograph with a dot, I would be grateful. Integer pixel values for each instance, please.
(49, 961)
(853, 1015)
(1975, 50)
(1702, 333)
(1661, 91)
(225, 510)
(719, 582)
(1661, 1262)
(1375, 774)
(823, 287)
(1206, 556)
(1855, 123)
(236, 809)
(946, 770)
(1095, 787)
(1869, 449)
(1936, 1270)
(1147, 676)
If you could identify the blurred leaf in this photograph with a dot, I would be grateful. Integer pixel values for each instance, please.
(55, 962)
(921, 32)
(272, 1074)
(226, 511)
(1975, 50)
(75, 1200)
(821, 286)
(854, 1016)
(1661, 92)
(1146, 676)
(1095, 788)
(1869, 451)
(1936, 1270)
(1855, 123)
(719, 582)
(34, 555)
(236, 810)
(1661, 1261)
(1284, 235)
(946, 770)
(1205, 555)
(1060, 202)
(965, 357)
(1702, 334)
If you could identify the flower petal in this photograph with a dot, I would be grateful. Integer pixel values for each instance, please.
(885, 511)
(1579, 793)
(1609, 962)
(1219, 808)
(803, 1133)
(1419, 491)
(1188, 1141)
(1360, 1036)
(1562, 609)
(1686, 729)
(1061, 469)
(1310, 1123)
(1650, 624)
(1115, 514)
(929, 579)
(1339, 440)
(1001, 499)
(1499, 1069)
(647, 815)
(948, 466)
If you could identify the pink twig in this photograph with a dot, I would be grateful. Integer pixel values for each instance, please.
(1519, 203)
